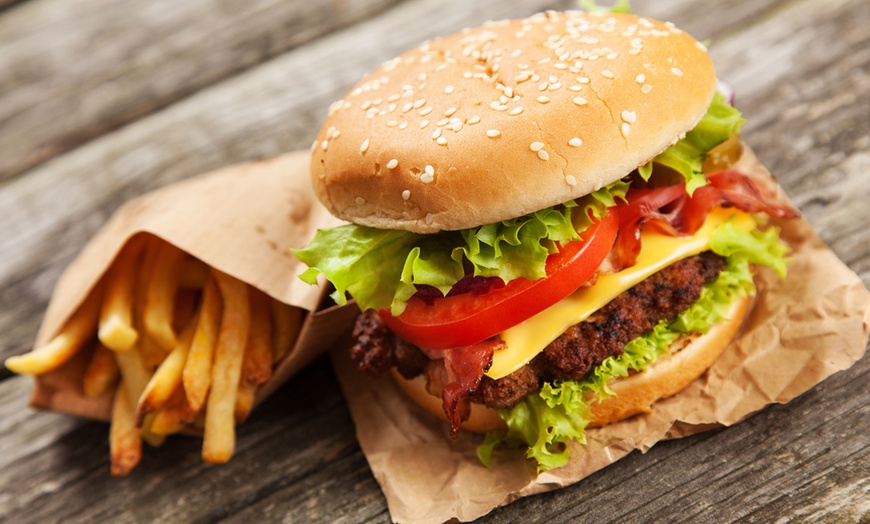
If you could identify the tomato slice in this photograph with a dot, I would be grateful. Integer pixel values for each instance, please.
(462, 320)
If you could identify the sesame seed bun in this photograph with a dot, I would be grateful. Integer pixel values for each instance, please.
(690, 357)
(509, 118)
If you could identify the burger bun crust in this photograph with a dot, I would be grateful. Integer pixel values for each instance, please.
(506, 119)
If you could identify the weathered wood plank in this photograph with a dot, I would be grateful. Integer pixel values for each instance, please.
(73, 71)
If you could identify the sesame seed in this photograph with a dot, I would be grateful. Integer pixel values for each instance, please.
(448, 89)
(543, 86)
(543, 155)
(575, 88)
(313, 145)
(493, 133)
(403, 124)
(419, 103)
(364, 147)
(543, 99)
(625, 129)
(634, 51)
(515, 111)
(555, 86)
(426, 110)
(436, 134)
(641, 78)
(429, 170)
(536, 146)
(360, 201)
(629, 116)
(612, 55)
(473, 120)
(580, 101)
(509, 92)
(324, 145)
(392, 164)
(393, 98)
(443, 122)
(424, 123)
(441, 141)
(646, 88)
(607, 73)
(407, 107)
(426, 178)
(560, 65)
(392, 123)
(571, 180)
(676, 71)
(456, 126)
(582, 79)
(406, 194)
(575, 142)
(365, 105)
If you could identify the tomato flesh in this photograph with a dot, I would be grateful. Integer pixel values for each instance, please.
(462, 320)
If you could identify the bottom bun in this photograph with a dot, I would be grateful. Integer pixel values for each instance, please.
(690, 357)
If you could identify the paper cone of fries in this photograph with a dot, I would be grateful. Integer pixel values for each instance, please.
(185, 311)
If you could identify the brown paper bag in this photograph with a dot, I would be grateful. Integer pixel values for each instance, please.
(801, 331)
(242, 220)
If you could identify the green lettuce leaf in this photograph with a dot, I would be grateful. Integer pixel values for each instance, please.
(381, 268)
(547, 421)
(687, 156)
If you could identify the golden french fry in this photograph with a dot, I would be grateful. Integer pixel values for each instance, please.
(151, 352)
(160, 295)
(166, 378)
(116, 329)
(244, 402)
(257, 365)
(197, 370)
(79, 329)
(174, 415)
(124, 442)
(194, 272)
(219, 439)
(102, 372)
(286, 323)
(135, 377)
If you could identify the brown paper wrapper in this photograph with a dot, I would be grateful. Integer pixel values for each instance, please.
(242, 220)
(801, 331)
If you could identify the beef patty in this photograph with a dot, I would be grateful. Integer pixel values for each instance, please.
(571, 356)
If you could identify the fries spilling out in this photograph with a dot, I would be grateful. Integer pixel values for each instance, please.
(178, 345)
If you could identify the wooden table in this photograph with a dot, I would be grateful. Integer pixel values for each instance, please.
(102, 100)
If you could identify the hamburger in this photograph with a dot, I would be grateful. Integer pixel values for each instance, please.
(546, 229)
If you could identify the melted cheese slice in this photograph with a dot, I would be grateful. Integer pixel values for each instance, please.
(524, 341)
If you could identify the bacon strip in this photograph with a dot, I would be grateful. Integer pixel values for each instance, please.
(673, 212)
(465, 368)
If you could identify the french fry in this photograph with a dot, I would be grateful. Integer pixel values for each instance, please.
(220, 436)
(244, 402)
(257, 364)
(102, 372)
(151, 352)
(286, 323)
(135, 377)
(160, 295)
(116, 329)
(197, 370)
(166, 378)
(79, 329)
(175, 414)
(124, 442)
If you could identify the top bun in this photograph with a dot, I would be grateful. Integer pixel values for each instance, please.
(509, 118)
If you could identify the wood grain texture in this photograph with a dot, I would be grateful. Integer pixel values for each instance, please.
(74, 70)
(175, 90)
